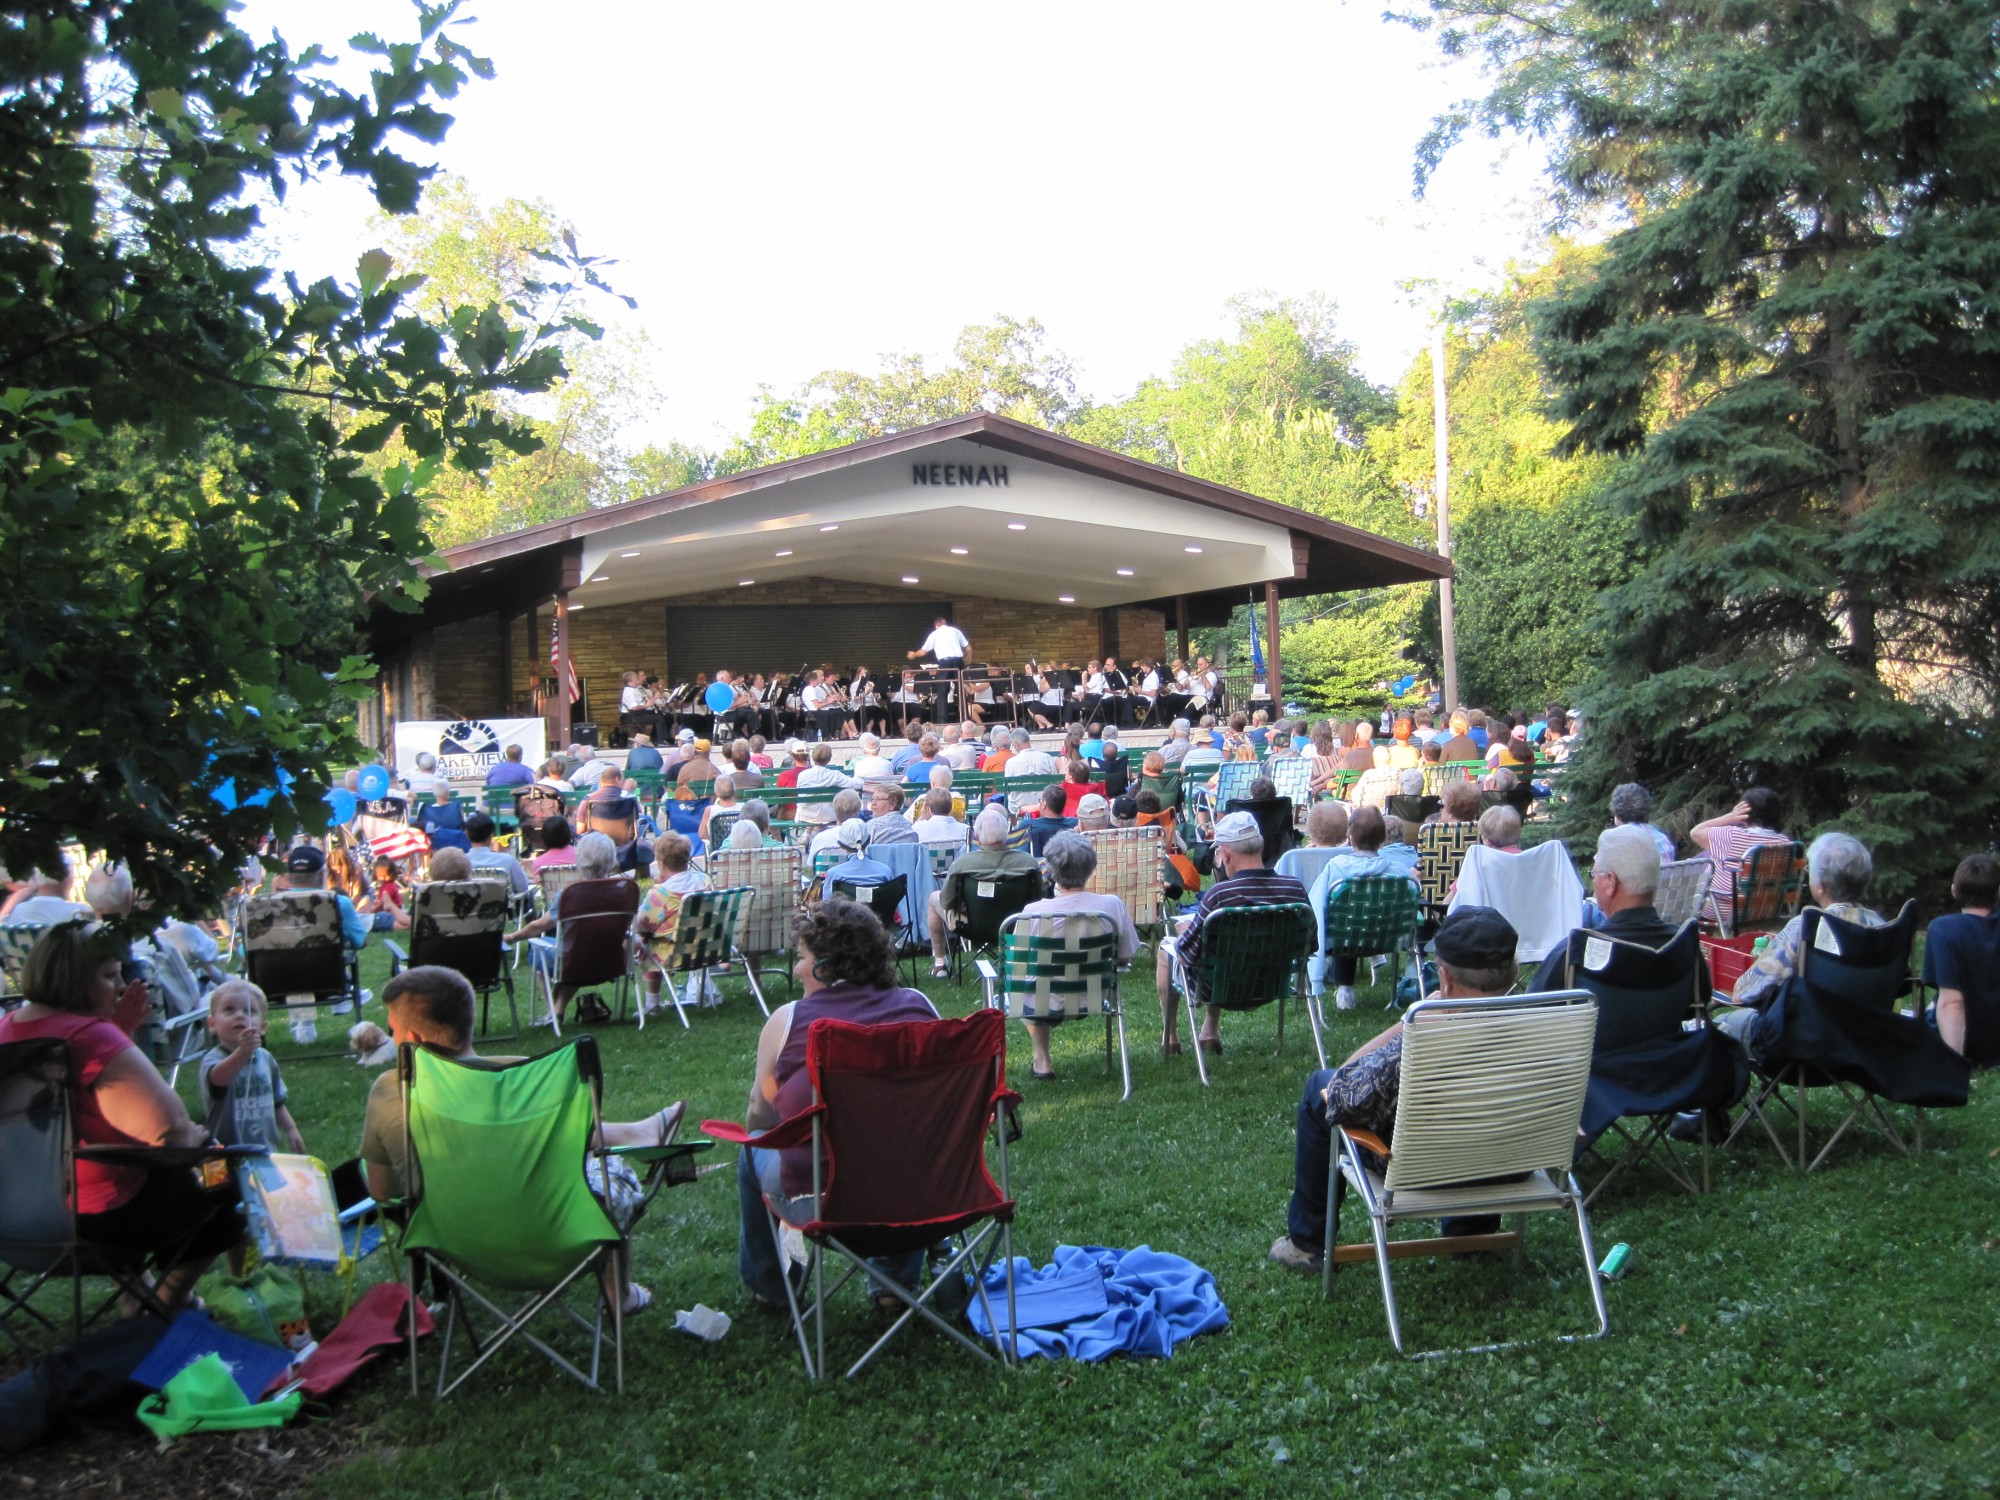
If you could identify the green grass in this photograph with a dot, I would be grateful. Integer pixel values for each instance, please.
(1781, 1336)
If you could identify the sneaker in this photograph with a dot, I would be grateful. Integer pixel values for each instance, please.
(305, 1030)
(1286, 1252)
(343, 1007)
(1344, 997)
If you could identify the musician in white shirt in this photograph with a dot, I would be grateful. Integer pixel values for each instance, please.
(864, 705)
(822, 705)
(946, 644)
(1047, 710)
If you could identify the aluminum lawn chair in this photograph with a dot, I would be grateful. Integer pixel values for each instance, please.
(501, 1161)
(592, 943)
(1060, 967)
(1131, 867)
(1292, 775)
(1683, 891)
(1768, 891)
(705, 930)
(1440, 854)
(1490, 1095)
(1372, 916)
(769, 917)
(895, 1161)
(1250, 956)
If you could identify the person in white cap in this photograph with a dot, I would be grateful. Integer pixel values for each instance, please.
(1241, 880)
(855, 867)
(1093, 812)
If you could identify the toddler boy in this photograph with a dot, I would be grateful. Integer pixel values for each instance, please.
(239, 1077)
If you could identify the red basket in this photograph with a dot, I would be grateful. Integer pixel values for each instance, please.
(1729, 958)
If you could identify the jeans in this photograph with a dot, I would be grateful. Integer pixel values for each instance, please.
(757, 1257)
(1305, 1218)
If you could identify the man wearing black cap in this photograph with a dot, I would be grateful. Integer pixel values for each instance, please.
(305, 870)
(1475, 954)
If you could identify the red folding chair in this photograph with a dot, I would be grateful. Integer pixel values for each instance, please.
(896, 1137)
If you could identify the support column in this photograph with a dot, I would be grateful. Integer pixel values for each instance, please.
(1107, 632)
(1441, 447)
(1181, 625)
(506, 704)
(1271, 656)
(562, 666)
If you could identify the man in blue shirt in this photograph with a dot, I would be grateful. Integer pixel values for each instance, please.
(643, 756)
(913, 764)
(855, 868)
(305, 867)
(1962, 959)
(510, 771)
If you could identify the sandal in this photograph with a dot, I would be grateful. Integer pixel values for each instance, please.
(1210, 1044)
(1170, 1049)
(1041, 1077)
(669, 1121)
(940, 971)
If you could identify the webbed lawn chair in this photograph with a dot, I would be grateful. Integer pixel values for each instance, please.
(1062, 967)
(1373, 916)
(1768, 891)
(894, 1160)
(1683, 890)
(1440, 855)
(501, 1164)
(1647, 1067)
(1525, 1060)
(459, 924)
(1131, 867)
(1292, 775)
(1250, 956)
(705, 930)
(769, 917)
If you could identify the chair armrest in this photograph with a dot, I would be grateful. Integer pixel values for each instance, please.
(658, 1153)
(796, 1131)
(989, 978)
(1369, 1139)
(358, 1210)
(398, 959)
(163, 1158)
(183, 1021)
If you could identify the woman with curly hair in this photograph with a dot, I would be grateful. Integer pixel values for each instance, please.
(847, 972)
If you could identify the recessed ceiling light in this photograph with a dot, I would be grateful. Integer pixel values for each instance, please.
(600, 578)
(628, 554)
(786, 553)
(744, 583)
(1017, 525)
(908, 578)
(1190, 549)
(1124, 572)
(960, 551)
(1066, 599)
(829, 528)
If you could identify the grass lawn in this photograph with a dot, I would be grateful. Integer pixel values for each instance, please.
(1781, 1336)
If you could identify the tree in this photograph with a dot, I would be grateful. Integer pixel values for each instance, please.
(189, 520)
(1793, 342)
(1003, 367)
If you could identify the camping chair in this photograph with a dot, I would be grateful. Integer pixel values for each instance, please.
(1250, 956)
(913, 863)
(768, 918)
(1683, 891)
(1537, 891)
(500, 1162)
(1166, 786)
(1646, 1067)
(895, 1140)
(1525, 1060)
(705, 930)
(617, 818)
(1768, 891)
(294, 952)
(1131, 867)
(1440, 854)
(534, 806)
(1412, 810)
(1060, 968)
(885, 898)
(17, 940)
(40, 1239)
(1835, 1026)
(987, 904)
(1276, 822)
(592, 942)
(459, 924)
(1370, 916)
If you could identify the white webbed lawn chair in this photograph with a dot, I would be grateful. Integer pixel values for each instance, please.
(767, 919)
(1060, 967)
(1132, 867)
(1490, 1095)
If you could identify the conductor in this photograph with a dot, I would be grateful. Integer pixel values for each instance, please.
(945, 644)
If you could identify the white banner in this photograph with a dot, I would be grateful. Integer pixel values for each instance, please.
(466, 749)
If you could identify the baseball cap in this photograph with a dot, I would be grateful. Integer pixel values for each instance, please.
(684, 735)
(1125, 807)
(1237, 828)
(1476, 937)
(305, 860)
(703, 745)
(797, 747)
(852, 834)
(1091, 806)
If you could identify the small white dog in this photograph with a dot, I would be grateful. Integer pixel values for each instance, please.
(370, 1045)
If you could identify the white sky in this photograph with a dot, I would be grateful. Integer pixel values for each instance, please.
(792, 188)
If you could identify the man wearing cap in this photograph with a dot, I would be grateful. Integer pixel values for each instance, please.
(305, 870)
(697, 766)
(644, 755)
(855, 867)
(1243, 881)
(1475, 954)
(1093, 813)
(988, 857)
(676, 757)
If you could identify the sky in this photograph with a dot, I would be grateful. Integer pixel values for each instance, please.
(790, 188)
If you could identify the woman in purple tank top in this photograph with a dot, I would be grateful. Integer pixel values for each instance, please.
(846, 971)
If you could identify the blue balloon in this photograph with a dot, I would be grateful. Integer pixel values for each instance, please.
(374, 782)
(720, 697)
(342, 807)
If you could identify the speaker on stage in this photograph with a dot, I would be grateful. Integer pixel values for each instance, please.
(583, 734)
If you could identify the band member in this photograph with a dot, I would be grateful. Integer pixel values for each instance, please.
(1117, 685)
(946, 645)
(636, 713)
(979, 702)
(864, 704)
(1145, 690)
(1046, 708)
(822, 706)
(1089, 693)
(1204, 687)
(741, 716)
(906, 703)
(1174, 694)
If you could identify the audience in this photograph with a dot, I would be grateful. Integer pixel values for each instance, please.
(1962, 962)
(1838, 869)
(1072, 860)
(1632, 804)
(988, 857)
(1728, 840)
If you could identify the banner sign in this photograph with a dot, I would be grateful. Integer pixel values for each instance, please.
(466, 749)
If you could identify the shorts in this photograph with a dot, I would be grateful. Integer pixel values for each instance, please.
(171, 1217)
(383, 921)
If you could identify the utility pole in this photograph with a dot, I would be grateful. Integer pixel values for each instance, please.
(1441, 437)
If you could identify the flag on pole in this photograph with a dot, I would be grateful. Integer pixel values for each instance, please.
(556, 662)
(1256, 645)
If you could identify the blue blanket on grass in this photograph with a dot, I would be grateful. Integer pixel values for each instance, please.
(1151, 1301)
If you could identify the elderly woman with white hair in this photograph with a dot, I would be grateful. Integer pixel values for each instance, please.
(988, 856)
(593, 891)
(1632, 806)
(1072, 860)
(1838, 868)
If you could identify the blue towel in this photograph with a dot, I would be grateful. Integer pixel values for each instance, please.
(1152, 1301)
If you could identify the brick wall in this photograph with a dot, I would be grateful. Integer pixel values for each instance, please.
(607, 640)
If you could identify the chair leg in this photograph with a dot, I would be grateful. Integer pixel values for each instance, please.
(750, 973)
(1124, 1055)
(1589, 1260)
(1315, 1018)
(674, 994)
(1194, 1037)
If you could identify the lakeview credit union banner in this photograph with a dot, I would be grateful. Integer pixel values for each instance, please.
(466, 749)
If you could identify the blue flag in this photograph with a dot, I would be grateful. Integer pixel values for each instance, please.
(1256, 645)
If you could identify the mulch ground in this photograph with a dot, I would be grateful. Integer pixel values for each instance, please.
(120, 1458)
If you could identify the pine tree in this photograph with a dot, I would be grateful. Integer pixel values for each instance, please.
(1797, 341)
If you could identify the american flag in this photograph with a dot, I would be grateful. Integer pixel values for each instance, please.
(556, 662)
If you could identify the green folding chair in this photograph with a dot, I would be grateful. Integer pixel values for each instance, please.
(1058, 968)
(1372, 916)
(1250, 956)
(501, 1166)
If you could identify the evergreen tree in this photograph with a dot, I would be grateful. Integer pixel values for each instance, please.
(1797, 341)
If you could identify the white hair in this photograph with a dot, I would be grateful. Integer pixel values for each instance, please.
(989, 829)
(108, 890)
(1840, 865)
(1628, 851)
(872, 743)
(596, 856)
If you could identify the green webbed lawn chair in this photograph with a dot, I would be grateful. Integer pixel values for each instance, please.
(1250, 956)
(1374, 916)
(504, 1201)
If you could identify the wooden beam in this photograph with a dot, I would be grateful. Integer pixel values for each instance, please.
(1181, 624)
(562, 665)
(1461, 1244)
(1271, 654)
